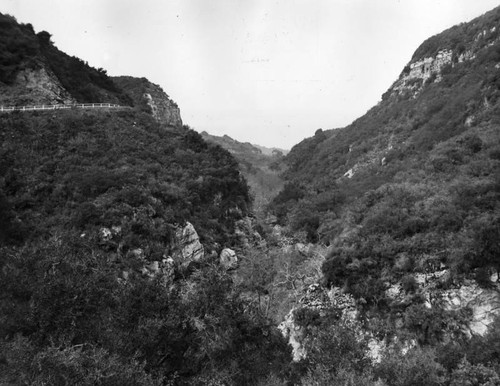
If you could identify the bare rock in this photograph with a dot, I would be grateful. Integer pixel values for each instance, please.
(294, 334)
(228, 259)
(35, 86)
(152, 98)
(187, 245)
(484, 303)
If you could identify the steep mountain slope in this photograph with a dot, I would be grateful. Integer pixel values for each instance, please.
(78, 168)
(408, 199)
(33, 71)
(259, 165)
(111, 225)
(104, 279)
(442, 112)
(97, 258)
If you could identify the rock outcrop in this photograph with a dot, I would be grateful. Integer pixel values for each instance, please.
(429, 69)
(294, 334)
(426, 69)
(35, 87)
(162, 109)
(187, 247)
(151, 98)
(484, 304)
(317, 298)
(228, 259)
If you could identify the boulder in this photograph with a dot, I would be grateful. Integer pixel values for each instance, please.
(138, 253)
(228, 259)
(107, 234)
(187, 245)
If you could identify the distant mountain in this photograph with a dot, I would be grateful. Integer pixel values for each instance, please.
(237, 147)
(271, 150)
(259, 165)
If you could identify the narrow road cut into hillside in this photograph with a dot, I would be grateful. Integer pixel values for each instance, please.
(63, 107)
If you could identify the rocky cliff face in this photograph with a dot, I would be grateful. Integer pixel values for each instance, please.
(35, 86)
(429, 68)
(163, 109)
(151, 98)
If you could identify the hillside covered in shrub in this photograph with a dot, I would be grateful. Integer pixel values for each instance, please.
(68, 311)
(424, 161)
(389, 221)
(259, 166)
(21, 48)
(407, 199)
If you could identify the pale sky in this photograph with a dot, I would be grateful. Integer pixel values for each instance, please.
(270, 72)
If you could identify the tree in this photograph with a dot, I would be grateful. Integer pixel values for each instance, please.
(257, 270)
(415, 368)
(332, 345)
(486, 248)
(44, 38)
(474, 375)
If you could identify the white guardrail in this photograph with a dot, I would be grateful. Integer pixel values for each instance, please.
(60, 107)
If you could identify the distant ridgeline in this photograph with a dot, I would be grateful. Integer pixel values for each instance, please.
(34, 72)
(259, 165)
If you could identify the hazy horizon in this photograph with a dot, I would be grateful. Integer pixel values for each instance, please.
(268, 73)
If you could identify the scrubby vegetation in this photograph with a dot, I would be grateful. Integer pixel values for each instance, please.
(416, 169)
(410, 188)
(87, 170)
(67, 315)
(259, 169)
(89, 200)
(84, 83)
(18, 47)
(21, 48)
